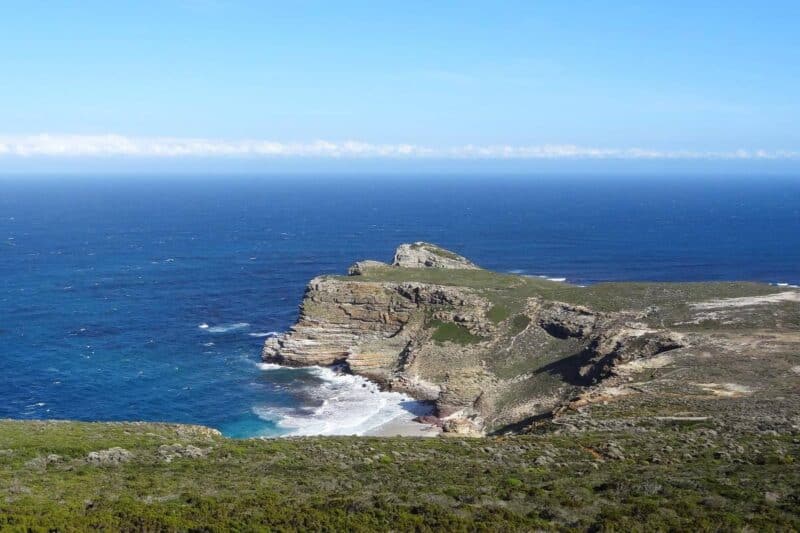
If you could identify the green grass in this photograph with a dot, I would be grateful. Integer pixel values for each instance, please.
(451, 332)
(509, 291)
(519, 323)
(498, 313)
(402, 484)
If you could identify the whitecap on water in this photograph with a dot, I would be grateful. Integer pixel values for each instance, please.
(224, 328)
(266, 334)
(343, 404)
(548, 278)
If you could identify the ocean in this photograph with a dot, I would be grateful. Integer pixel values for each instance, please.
(148, 298)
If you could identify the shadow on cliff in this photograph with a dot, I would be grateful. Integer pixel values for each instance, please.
(568, 369)
(418, 407)
(523, 426)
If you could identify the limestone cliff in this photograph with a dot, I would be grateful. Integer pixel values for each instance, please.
(495, 350)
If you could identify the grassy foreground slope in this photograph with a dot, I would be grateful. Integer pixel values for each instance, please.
(680, 475)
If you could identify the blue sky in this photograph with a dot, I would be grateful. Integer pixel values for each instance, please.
(175, 83)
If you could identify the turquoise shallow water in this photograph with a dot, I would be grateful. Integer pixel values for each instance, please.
(107, 284)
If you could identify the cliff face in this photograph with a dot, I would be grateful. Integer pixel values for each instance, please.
(377, 329)
(491, 350)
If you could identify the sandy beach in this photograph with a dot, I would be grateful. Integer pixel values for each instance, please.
(404, 428)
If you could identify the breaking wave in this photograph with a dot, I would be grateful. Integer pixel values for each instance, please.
(340, 404)
(224, 328)
(265, 334)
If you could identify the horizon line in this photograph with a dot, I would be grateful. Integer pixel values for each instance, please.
(47, 145)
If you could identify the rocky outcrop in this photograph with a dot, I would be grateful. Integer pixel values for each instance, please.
(612, 339)
(463, 427)
(170, 452)
(564, 320)
(110, 457)
(426, 255)
(618, 346)
(483, 365)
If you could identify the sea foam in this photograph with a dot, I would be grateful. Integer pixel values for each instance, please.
(343, 404)
(269, 366)
(265, 334)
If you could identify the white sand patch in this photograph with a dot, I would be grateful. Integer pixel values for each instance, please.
(713, 316)
(796, 369)
(659, 361)
(787, 296)
(725, 390)
(404, 428)
(602, 395)
(615, 392)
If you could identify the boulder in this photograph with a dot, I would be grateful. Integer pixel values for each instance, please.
(169, 452)
(359, 267)
(462, 427)
(109, 457)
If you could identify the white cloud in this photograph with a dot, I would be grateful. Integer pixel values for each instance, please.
(171, 147)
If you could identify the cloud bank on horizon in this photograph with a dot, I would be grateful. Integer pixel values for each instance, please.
(113, 145)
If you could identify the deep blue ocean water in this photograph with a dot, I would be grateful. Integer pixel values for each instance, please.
(106, 284)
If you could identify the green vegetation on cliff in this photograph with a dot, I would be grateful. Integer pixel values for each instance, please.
(498, 313)
(450, 332)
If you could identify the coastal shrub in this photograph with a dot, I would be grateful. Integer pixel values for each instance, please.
(513, 482)
(385, 459)
(324, 483)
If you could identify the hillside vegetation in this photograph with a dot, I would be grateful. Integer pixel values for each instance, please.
(679, 476)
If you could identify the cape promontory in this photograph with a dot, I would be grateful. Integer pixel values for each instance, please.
(499, 352)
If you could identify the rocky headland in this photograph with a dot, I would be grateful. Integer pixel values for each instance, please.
(500, 353)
